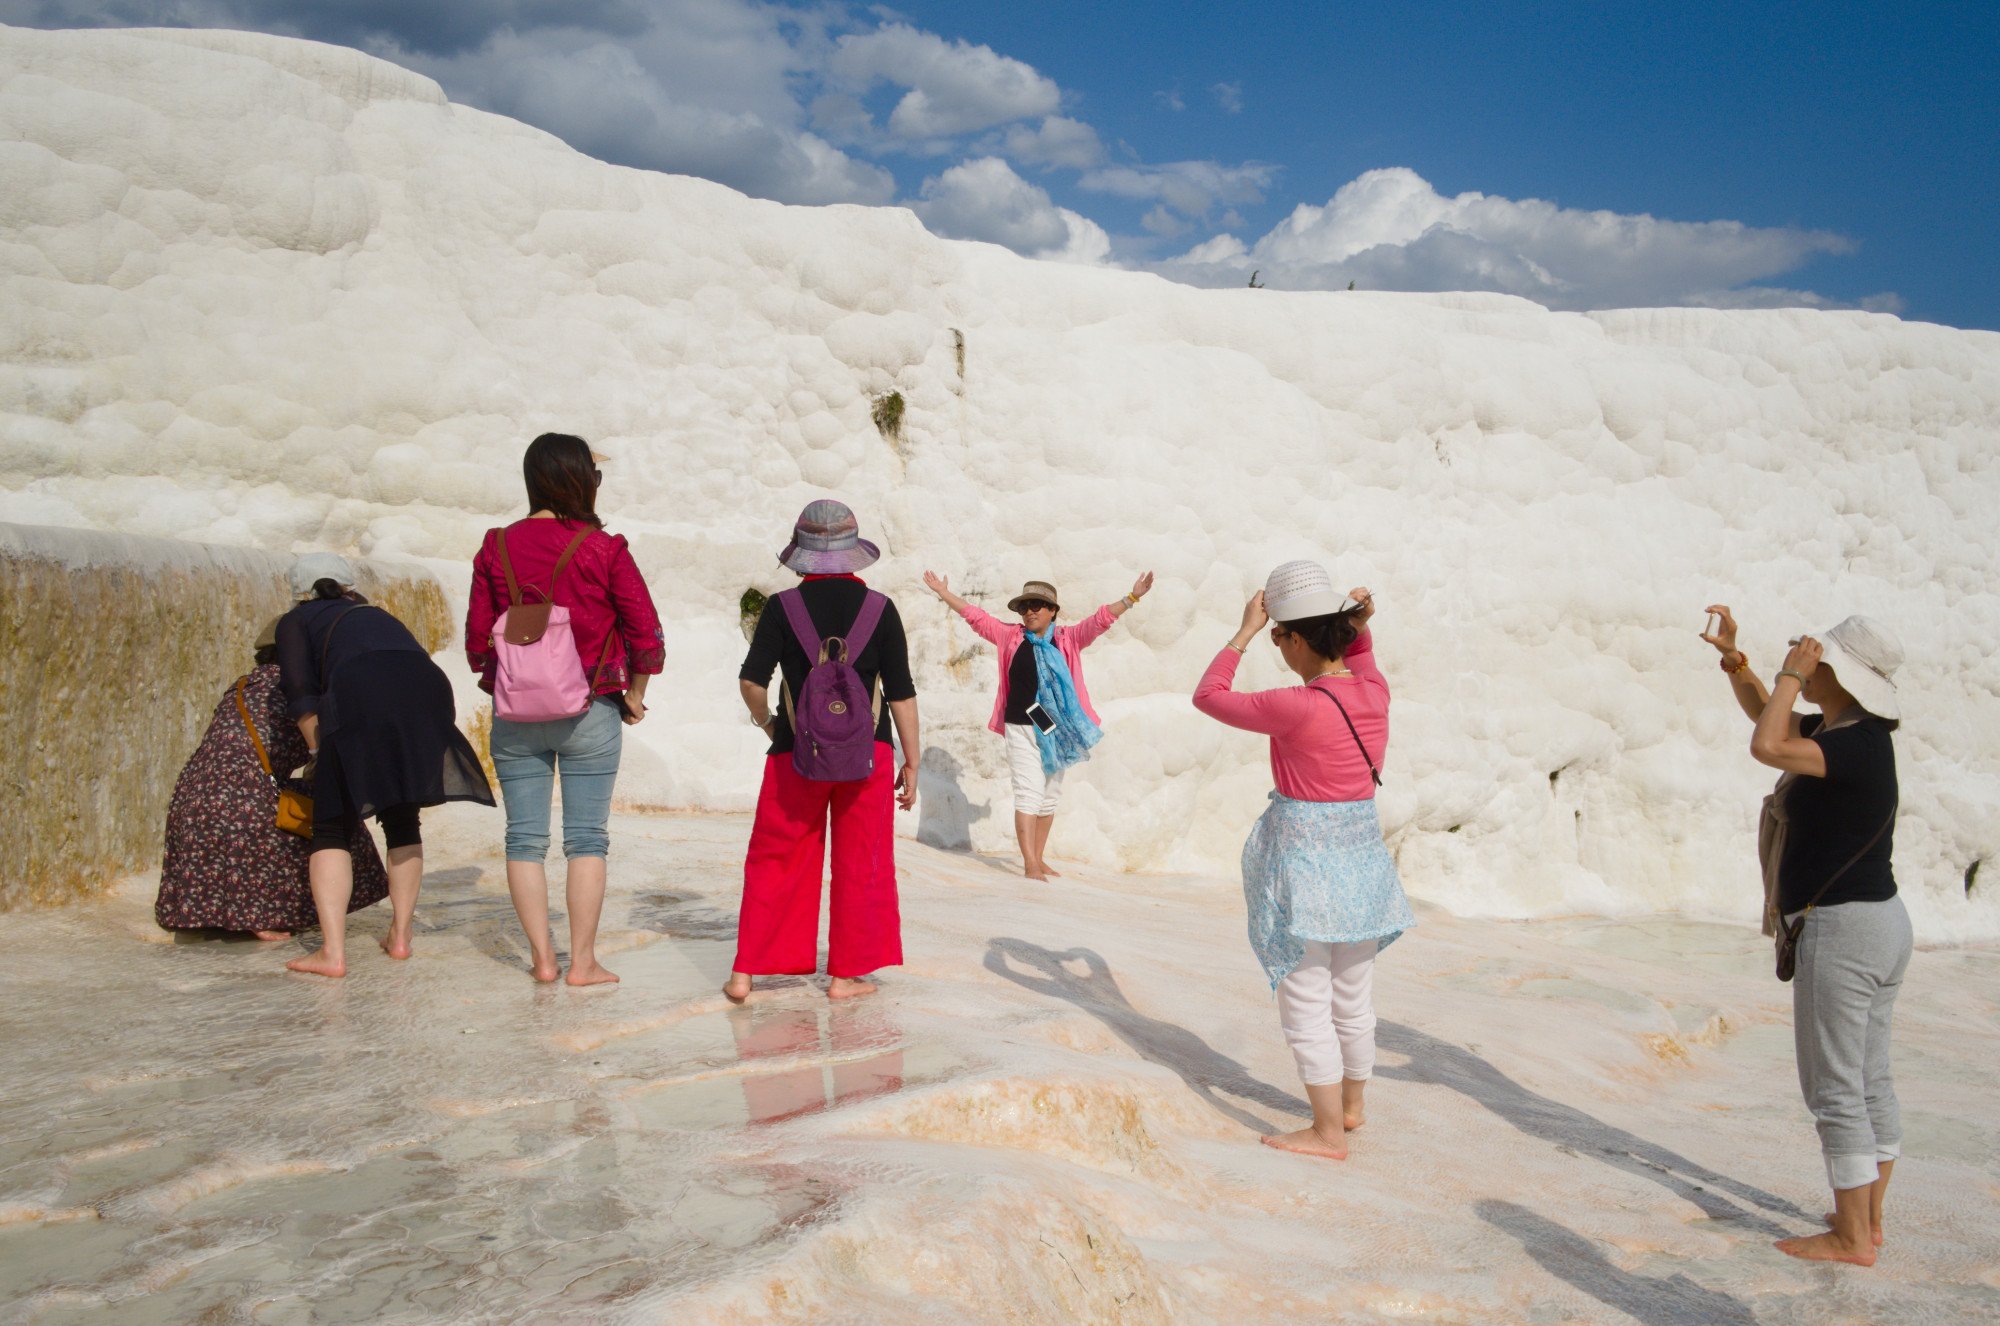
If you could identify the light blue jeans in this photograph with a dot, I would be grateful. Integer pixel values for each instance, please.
(585, 750)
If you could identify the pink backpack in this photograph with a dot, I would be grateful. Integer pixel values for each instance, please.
(539, 675)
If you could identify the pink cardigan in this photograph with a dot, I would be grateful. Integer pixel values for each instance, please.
(1313, 755)
(1071, 640)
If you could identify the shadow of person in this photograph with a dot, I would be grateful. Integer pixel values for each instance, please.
(945, 815)
(1567, 1255)
(1209, 1073)
(1570, 1129)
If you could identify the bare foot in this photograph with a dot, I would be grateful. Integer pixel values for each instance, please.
(1042, 874)
(317, 963)
(1826, 1248)
(1051, 870)
(849, 987)
(1308, 1142)
(1352, 1119)
(1875, 1233)
(395, 945)
(271, 936)
(737, 989)
(590, 973)
(544, 969)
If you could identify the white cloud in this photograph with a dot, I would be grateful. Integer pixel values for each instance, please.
(1229, 96)
(955, 87)
(1057, 141)
(1390, 230)
(985, 199)
(1169, 100)
(1192, 188)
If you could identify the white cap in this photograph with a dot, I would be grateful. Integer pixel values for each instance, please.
(312, 568)
(1298, 590)
(1864, 658)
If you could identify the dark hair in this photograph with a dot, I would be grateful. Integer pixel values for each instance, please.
(266, 656)
(1331, 635)
(562, 478)
(328, 588)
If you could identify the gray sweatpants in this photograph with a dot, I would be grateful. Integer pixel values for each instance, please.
(1851, 961)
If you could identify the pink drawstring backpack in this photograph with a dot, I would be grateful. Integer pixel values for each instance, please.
(539, 676)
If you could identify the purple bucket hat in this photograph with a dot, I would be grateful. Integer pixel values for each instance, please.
(826, 540)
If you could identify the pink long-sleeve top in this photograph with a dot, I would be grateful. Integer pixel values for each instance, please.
(1071, 640)
(607, 599)
(1313, 755)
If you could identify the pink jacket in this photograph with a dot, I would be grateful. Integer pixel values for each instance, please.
(1071, 640)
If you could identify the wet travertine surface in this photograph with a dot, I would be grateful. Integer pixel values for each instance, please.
(1048, 1115)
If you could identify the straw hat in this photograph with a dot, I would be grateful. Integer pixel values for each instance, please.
(268, 637)
(1298, 590)
(826, 540)
(1035, 591)
(1864, 658)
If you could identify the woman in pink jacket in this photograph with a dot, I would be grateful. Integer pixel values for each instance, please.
(1043, 708)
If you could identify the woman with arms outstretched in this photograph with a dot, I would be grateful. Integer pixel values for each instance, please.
(1321, 889)
(1043, 708)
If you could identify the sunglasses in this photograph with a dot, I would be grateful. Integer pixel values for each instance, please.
(1036, 605)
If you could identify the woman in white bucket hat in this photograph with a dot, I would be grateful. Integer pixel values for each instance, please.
(1321, 889)
(1826, 839)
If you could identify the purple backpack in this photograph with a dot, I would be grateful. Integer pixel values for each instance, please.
(834, 715)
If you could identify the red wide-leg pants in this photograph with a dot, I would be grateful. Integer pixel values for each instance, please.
(778, 931)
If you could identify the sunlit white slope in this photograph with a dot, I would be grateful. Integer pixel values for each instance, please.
(263, 291)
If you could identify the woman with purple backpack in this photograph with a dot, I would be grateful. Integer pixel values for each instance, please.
(846, 679)
(563, 633)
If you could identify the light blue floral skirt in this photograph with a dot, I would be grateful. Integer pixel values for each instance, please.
(1318, 871)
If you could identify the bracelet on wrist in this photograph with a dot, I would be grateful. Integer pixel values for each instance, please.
(1238, 648)
(1798, 677)
(1742, 662)
(1131, 600)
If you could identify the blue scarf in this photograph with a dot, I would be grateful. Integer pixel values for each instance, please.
(1070, 740)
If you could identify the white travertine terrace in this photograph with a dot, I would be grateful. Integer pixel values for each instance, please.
(263, 292)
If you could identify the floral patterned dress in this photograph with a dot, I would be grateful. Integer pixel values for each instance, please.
(228, 865)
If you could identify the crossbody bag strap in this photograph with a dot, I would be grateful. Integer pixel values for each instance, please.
(327, 643)
(1373, 772)
(1854, 860)
(255, 740)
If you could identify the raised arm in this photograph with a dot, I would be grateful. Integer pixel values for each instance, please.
(1269, 712)
(1087, 630)
(1745, 685)
(989, 628)
(1776, 741)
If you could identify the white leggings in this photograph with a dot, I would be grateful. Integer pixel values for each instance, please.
(1328, 1012)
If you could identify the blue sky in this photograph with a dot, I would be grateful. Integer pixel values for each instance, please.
(1587, 155)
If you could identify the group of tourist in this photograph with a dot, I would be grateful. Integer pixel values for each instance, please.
(562, 631)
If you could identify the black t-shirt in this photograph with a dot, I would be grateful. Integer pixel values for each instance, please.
(833, 605)
(1831, 817)
(1023, 677)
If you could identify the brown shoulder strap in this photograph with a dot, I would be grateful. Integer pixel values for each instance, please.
(562, 562)
(327, 643)
(506, 565)
(255, 740)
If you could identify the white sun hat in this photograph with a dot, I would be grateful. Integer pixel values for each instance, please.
(1864, 658)
(314, 567)
(1298, 590)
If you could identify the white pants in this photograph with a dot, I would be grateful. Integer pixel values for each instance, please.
(1328, 1012)
(1035, 793)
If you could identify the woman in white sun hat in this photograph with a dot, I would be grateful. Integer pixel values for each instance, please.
(1826, 840)
(1322, 890)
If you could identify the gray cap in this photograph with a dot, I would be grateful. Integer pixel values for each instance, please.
(312, 568)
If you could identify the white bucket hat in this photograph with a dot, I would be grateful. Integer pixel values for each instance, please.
(1864, 658)
(1298, 590)
(314, 567)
